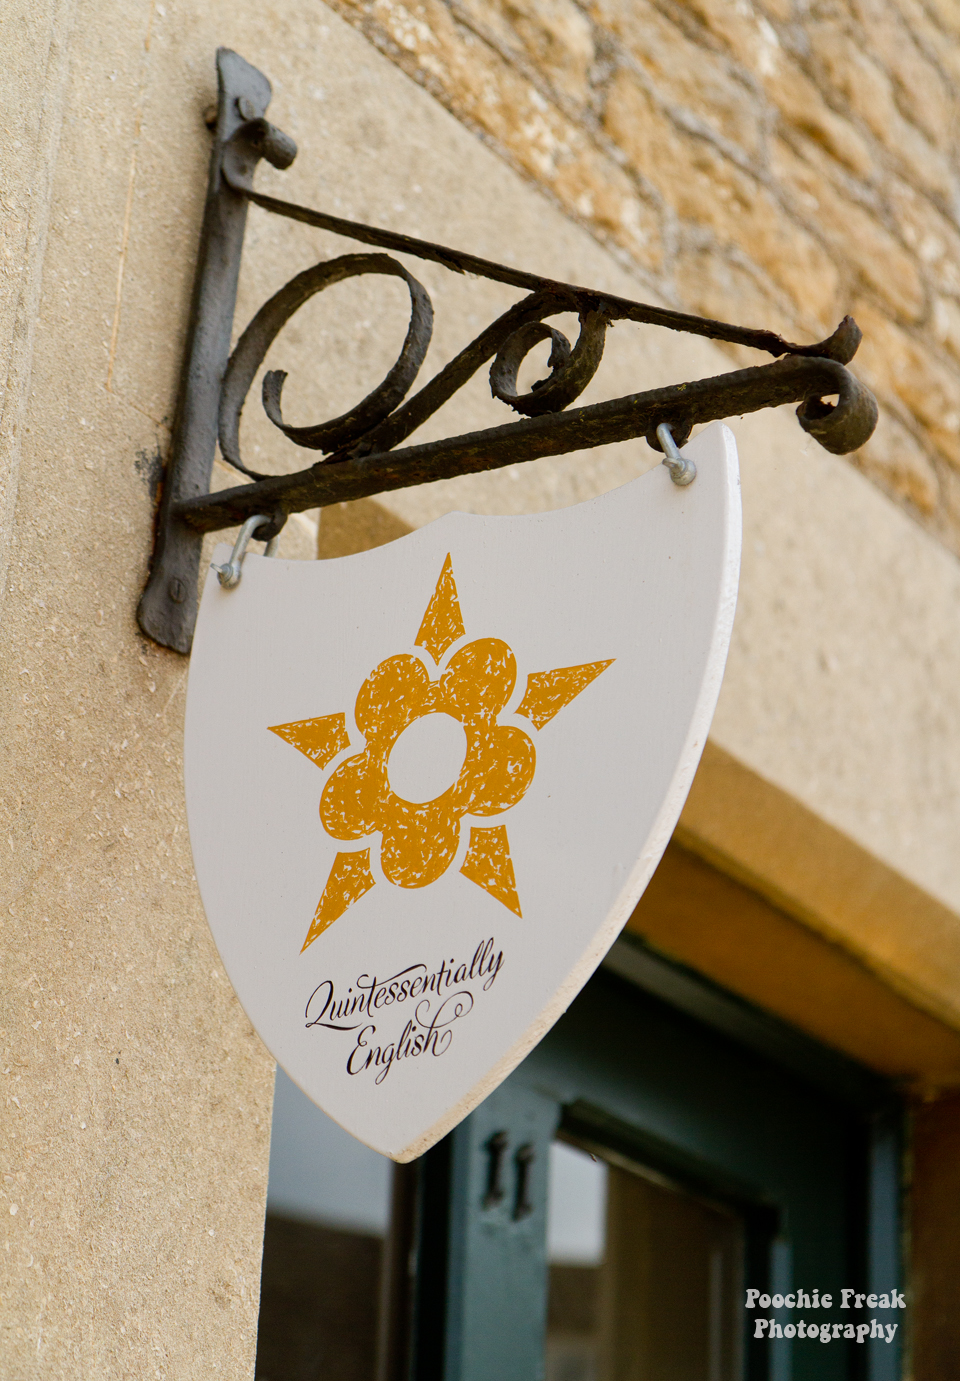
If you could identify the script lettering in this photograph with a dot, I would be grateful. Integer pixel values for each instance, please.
(440, 997)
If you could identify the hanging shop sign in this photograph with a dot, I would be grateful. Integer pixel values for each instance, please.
(427, 784)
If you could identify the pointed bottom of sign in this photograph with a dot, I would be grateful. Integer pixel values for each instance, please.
(350, 877)
(489, 865)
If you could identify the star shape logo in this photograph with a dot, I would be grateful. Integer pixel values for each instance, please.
(420, 839)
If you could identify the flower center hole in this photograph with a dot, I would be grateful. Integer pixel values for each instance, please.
(427, 757)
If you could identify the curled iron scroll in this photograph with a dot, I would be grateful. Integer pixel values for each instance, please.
(266, 326)
(362, 455)
(570, 369)
(843, 426)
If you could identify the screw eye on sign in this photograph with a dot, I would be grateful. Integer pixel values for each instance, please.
(428, 783)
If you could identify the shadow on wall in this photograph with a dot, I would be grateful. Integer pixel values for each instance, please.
(346, 528)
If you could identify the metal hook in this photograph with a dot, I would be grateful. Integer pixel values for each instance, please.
(523, 1205)
(682, 470)
(495, 1147)
(229, 574)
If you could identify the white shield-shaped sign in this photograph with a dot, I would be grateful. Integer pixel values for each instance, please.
(427, 784)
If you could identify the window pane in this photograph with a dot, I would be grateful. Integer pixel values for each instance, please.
(645, 1280)
(576, 1207)
(576, 1234)
(670, 1286)
(318, 1172)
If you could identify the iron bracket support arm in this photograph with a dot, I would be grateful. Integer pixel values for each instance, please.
(361, 449)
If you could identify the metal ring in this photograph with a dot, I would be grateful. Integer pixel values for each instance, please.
(682, 469)
(266, 326)
(229, 573)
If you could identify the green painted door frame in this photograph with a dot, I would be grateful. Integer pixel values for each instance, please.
(662, 1069)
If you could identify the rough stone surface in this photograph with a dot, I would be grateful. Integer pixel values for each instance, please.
(766, 162)
(893, 458)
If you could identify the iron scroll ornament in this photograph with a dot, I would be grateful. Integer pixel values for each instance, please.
(361, 451)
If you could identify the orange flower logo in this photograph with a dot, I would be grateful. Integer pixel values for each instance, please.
(420, 839)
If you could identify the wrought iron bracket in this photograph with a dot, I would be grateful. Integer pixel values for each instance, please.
(360, 454)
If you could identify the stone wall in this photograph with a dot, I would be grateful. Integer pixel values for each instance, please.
(774, 164)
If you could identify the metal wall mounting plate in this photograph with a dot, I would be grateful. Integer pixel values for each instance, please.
(168, 606)
(358, 449)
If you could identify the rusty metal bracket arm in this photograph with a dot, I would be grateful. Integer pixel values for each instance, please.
(359, 446)
(802, 378)
(840, 346)
(168, 606)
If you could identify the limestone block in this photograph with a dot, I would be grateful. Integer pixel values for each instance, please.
(857, 77)
(900, 465)
(923, 164)
(925, 23)
(930, 235)
(904, 365)
(946, 324)
(857, 236)
(555, 35)
(802, 106)
(603, 194)
(683, 72)
(709, 189)
(870, 93)
(743, 29)
(927, 168)
(922, 92)
(947, 13)
(720, 285)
